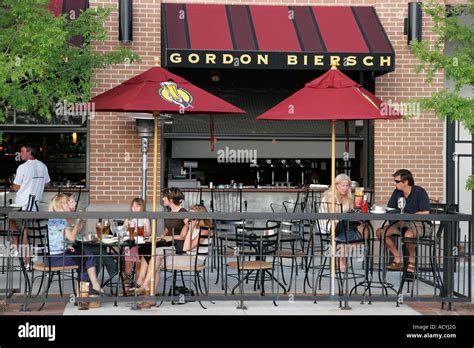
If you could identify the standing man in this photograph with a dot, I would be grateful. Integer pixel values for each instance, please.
(413, 200)
(31, 177)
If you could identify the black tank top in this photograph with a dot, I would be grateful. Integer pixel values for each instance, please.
(175, 226)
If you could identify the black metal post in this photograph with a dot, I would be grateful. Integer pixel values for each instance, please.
(125, 20)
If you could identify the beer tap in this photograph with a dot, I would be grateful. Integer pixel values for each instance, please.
(298, 162)
(285, 165)
(269, 161)
(255, 165)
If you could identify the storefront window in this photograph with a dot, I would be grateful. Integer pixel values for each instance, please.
(14, 117)
(63, 153)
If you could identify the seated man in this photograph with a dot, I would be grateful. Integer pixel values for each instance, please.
(413, 199)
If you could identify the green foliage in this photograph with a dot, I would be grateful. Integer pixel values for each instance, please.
(458, 66)
(470, 183)
(39, 67)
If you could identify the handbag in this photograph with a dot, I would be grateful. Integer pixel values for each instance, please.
(178, 245)
(184, 291)
(163, 243)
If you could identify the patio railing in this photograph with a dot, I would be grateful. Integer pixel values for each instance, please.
(443, 273)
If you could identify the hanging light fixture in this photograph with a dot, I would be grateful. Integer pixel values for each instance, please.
(74, 137)
(413, 23)
(125, 21)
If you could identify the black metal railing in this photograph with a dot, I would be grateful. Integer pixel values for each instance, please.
(446, 279)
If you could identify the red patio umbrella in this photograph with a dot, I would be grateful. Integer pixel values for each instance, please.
(332, 96)
(158, 91)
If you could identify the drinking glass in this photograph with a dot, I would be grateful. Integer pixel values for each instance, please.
(99, 230)
(120, 233)
(131, 229)
(401, 204)
(140, 228)
(113, 227)
(106, 227)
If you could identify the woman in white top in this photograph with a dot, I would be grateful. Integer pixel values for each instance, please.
(344, 200)
(190, 247)
(344, 203)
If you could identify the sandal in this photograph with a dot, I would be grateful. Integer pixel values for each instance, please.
(394, 266)
(100, 292)
(411, 267)
(140, 292)
(146, 305)
(133, 289)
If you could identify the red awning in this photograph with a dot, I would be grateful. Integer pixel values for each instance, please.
(278, 37)
(72, 9)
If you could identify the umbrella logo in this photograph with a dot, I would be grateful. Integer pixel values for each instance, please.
(170, 92)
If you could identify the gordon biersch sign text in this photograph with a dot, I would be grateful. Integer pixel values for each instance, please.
(278, 60)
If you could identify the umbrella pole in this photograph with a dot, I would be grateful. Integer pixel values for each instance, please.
(153, 226)
(333, 204)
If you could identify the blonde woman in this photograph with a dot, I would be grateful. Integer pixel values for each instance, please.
(344, 203)
(60, 231)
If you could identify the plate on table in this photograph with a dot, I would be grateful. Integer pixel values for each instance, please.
(390, 209)
(377, 211)
(109, 240)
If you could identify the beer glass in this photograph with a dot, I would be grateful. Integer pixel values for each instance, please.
(99, 229)
(140, 229)
(131, 230)
(83, 292)
(106, 230)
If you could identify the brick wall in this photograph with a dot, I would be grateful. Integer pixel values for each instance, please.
(415, 144)
(115, 155)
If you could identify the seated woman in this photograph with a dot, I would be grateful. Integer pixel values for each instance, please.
(344, 203)
(190, 245)
(175, 229)
(60, 231)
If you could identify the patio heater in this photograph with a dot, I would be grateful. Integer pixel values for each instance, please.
(144, 129)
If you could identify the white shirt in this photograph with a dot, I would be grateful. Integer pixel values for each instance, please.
(31, 176)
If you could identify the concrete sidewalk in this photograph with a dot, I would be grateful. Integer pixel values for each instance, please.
(253, 308)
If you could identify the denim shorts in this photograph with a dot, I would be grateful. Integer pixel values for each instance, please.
(352, 236)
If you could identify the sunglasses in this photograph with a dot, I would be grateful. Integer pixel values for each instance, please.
(397, 181)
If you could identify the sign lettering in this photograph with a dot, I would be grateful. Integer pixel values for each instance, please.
(278, 60)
